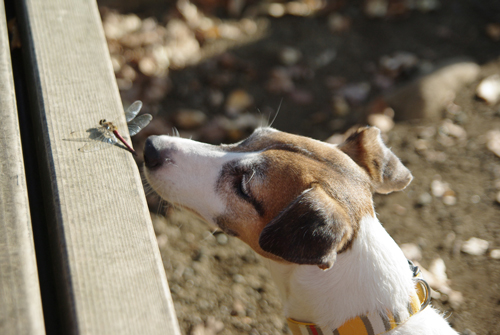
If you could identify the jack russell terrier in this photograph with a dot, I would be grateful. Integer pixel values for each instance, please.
(306, 206)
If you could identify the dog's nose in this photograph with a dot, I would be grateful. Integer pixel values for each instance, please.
(153, 156)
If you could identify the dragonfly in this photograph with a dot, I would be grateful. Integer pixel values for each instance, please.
(106, 134)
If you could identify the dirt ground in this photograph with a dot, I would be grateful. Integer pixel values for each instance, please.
(325, 71)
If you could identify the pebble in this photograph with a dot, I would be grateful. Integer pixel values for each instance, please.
(290, 56)
(451, 129)
(381, 121)
(162, 240)
(335, 139)
(340, 106)
(438, 269)
(376, 8)
(338, 23)
(475, 246)
(424, 199)
(237, 278)
(394, 65)
(280, 81)
(237, 101)
(495, 254)
(438, 188)
(489, 89)
(356, 93)
(493, 31)
(399, 210)
(411, 251)
(493, 141)
(427, 96)
(189, 118)
(475, 199)
(222, 239)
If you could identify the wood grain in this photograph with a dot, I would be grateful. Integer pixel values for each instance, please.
(111, 276)
(20, 303)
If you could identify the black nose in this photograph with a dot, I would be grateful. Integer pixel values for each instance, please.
(153, 157)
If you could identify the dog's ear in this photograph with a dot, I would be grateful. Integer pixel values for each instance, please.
(309, 231)
(367, 149)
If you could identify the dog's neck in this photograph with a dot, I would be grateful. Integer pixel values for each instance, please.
(373, 275)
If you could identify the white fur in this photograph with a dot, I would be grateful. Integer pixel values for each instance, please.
(189, 177)
(371, 276)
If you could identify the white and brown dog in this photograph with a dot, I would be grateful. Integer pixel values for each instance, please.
(306, 207)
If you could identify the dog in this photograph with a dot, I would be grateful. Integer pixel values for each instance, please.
(306, 207)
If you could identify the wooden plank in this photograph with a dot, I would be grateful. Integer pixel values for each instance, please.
(21, 306)
(111, 276)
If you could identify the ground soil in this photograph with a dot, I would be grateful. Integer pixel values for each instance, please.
(217, 280)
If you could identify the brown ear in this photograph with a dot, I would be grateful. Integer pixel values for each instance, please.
(387, 172)
(309, 231)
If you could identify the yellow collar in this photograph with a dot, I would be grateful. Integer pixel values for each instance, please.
(372, 323)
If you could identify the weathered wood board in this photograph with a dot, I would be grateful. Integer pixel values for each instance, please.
(111, 276)
(20, 303)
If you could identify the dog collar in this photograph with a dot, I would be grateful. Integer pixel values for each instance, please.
(371, 323)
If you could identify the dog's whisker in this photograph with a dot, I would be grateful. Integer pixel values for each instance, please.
(277, 112)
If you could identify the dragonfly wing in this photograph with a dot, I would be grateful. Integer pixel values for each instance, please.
(132, 110)
(100, 138)
(137, 124)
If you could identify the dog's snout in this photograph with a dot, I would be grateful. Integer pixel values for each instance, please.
(154, 156)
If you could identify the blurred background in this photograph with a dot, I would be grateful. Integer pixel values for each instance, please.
(426, 72)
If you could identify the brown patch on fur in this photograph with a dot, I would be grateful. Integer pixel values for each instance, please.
(386, 171)
(295, 164)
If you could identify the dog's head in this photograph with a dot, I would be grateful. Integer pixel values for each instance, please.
(289, 197)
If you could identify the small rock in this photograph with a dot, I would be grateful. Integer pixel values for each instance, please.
(280, 81)
(455, 298)
(356, 93)
(475, 199)
(449, 199)
(222, 239)
(399, 210)
(338, 23)
(301, 96)
(237, 101)
(493, 141)
(427, 96)
(394, 65)
(489, 89)
(493, 31)
(438, 269)
(376, 8)
(475, 246)
(421, 145)
(340, 106)
(424, 199)
(427, 5)
(438, 188)
(162, 240)
(381, 121)
(189, 118)
(451, 129)
(335, 139)
(238, 279)
(238, 308)
(147, 65)
(412, 251)
(290, 56)
(210, 327)
(495, 254)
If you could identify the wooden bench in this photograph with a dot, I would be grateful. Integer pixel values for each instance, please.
(99, 266)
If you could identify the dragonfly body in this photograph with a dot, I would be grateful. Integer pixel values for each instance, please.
(106, 134)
